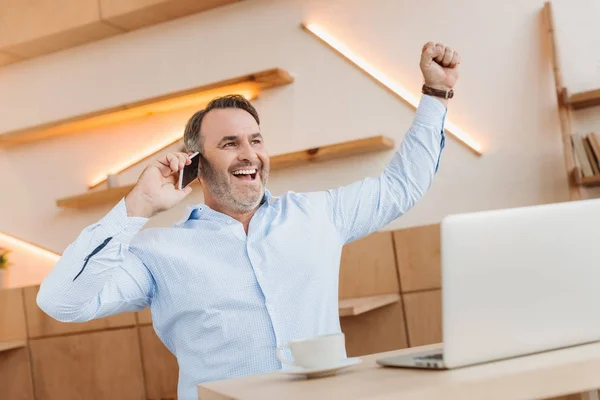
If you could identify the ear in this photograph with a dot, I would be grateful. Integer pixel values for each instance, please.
(199, 175)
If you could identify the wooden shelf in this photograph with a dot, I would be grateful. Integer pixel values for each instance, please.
(94, 198)
(248, 85)
(585, 99)
(333, 151)
(13, 344)
(361, 305)
(585, 181)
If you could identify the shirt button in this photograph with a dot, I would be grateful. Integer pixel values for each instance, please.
(229, 222)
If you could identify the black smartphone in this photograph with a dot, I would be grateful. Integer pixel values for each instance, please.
(189, 172)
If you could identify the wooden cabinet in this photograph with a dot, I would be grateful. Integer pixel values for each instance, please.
(161, 371)
(418, 257)
(42, 325)
(12, 315)
(368, 267)
(378, 330)
(15, 375)
(144, 317)
(96, 366)
(423, 317)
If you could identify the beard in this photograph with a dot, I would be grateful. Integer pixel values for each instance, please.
(221, 186)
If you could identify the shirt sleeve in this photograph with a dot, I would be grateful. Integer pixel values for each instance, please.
(360, 208)
(98, 275)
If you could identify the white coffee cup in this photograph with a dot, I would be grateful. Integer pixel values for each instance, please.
(316, 352)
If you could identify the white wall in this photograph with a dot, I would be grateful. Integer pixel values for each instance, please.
(505, 99)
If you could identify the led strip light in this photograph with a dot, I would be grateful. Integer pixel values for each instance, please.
(388, 83)
(28, 247)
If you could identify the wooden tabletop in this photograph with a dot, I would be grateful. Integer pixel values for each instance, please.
(543, 375)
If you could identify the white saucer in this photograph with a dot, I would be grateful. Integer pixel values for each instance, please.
(323, 371)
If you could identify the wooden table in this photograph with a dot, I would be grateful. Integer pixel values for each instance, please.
(543, 375)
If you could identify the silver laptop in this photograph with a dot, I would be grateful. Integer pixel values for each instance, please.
(515, 282)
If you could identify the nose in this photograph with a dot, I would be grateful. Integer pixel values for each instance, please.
(247, 153)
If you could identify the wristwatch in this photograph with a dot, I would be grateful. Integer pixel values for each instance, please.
(446, 94)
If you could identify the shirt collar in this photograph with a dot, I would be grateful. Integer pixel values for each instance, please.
(195, 211)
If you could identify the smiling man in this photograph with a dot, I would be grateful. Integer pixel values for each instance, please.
(235, 178)
(244, 271)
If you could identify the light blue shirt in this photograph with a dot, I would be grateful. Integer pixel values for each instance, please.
(222, 300)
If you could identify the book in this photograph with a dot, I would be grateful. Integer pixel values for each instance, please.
(590, 155)
(579, 148)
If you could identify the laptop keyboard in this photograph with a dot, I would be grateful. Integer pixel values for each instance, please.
(437, 356)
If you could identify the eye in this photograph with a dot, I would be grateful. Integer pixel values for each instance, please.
(256, 141)
(228, 144)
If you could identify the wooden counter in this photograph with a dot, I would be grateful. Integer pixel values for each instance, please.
(544, 375)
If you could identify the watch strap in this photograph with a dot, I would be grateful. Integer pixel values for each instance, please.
(446, 94)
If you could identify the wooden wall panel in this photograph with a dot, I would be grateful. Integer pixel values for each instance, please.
(368, 267)
(12, 315)
(423, 317)
(15, 375)
(418, 257)
(161, 370)
(93, 366)
(144, 317)
(41, 325)
(135, 14)
(379, 330)
(32, 28)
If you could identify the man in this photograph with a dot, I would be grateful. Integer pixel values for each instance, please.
(245, 271)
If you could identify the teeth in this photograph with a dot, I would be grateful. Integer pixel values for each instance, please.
(244, 172)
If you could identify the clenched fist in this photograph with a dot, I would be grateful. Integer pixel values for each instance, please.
(439, 65)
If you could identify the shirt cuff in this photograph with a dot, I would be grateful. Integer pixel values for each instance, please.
(431, 112)
(116, 222)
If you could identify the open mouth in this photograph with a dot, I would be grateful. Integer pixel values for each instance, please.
(245, 174)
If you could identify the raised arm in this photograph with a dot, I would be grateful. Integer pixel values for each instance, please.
(97, 274)
(363, 207)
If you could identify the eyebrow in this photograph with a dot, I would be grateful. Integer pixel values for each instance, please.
(233, 138)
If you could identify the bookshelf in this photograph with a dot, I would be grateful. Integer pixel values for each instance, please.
(581, 151)
(282, 161)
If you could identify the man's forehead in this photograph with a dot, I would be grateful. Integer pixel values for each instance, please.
(228, 122)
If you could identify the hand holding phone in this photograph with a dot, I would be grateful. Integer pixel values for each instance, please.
(189, 172)
(157, 187)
